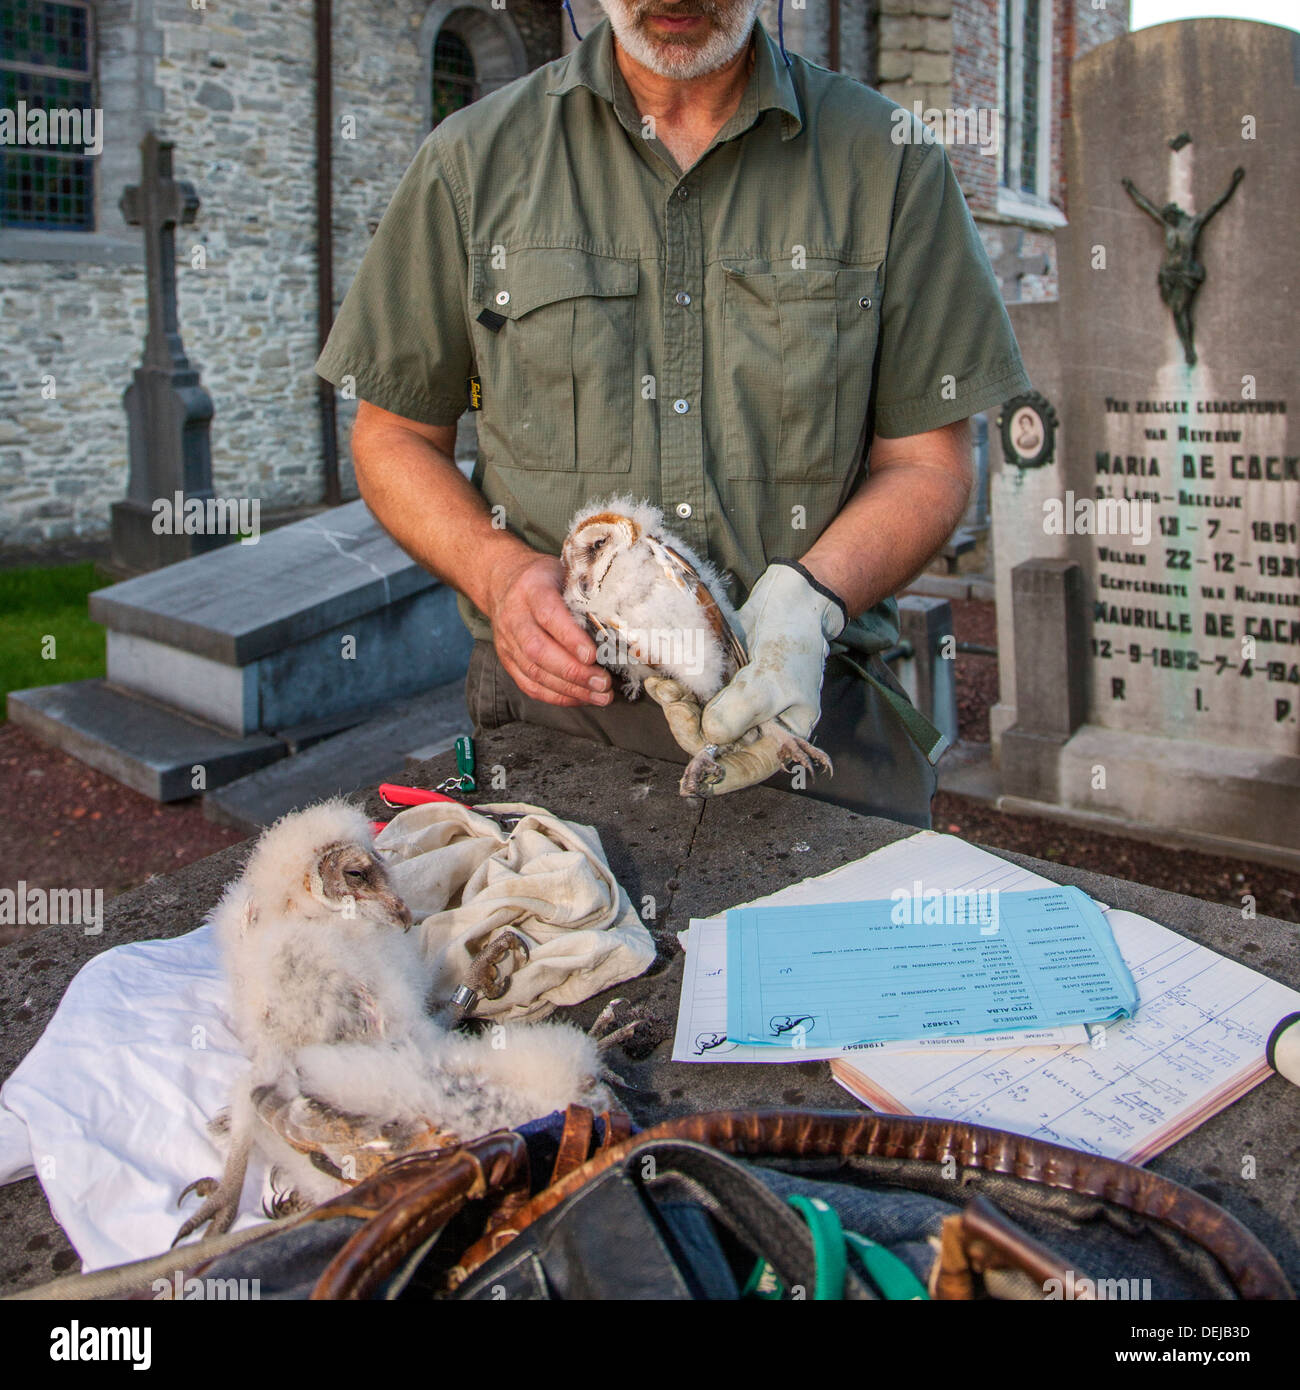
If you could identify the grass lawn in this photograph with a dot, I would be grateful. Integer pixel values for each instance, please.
(45, 633)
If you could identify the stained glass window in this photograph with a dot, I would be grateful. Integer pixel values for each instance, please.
(1029, 108)
(46, 82)
(455, 80)
(1024, 28)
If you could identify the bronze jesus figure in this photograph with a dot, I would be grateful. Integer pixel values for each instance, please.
(1181, 274)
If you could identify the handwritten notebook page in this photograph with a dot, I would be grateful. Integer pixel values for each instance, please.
(1196, 1045)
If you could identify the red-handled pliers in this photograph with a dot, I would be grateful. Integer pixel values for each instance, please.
(397, 796)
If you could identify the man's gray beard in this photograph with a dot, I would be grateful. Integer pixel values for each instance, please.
(681, 61)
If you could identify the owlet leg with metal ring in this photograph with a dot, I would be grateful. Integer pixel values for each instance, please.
(464, 1002)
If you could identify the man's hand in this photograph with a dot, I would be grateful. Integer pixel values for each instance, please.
(407, 474)
(788, 621)
(540, 643)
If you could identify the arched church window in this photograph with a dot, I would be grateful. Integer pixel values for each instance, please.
(455, 80)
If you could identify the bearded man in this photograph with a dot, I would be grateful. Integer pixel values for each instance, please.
(683, 265)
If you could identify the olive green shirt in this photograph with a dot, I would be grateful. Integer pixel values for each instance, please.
(723, 342)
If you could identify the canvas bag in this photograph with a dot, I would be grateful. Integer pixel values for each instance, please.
(689, 1209)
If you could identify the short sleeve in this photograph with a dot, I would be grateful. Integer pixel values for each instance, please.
(947, 350)
(401, 331)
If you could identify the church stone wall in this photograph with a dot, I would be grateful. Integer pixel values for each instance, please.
(234, 87)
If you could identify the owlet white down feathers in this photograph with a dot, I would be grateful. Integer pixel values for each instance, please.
(347, 1068)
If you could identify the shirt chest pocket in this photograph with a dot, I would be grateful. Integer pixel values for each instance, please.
(559, 374)
(798, 352)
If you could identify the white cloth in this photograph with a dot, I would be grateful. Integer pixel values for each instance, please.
(113, 1100)
(464, 877)
(111, 1105)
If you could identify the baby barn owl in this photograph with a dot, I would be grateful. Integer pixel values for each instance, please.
(347, 1069)
(656, 608)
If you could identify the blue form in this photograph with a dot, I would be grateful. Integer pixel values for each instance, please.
(922, 965)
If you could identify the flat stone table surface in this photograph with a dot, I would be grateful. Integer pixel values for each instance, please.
(694, 859)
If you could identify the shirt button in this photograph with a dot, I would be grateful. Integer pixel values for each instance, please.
(864, 303)
(683, 297)
(503, 296)
(684, 510)
(681, 407)
(683, 193)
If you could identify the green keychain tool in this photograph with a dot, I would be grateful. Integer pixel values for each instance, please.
(464, 779)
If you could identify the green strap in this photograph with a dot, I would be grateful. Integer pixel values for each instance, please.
(829, 1258)
(886, 1271)
(831, 1242)
(828, 1245)
(924, 734)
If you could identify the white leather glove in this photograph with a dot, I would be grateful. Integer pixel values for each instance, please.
(789, 620)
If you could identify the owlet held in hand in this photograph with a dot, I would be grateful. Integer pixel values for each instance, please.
(657, 610)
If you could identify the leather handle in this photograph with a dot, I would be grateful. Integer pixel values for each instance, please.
(979, 1239)
(803, 1134)
(496, 1163)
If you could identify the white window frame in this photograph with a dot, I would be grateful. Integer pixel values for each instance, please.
(1014, 201)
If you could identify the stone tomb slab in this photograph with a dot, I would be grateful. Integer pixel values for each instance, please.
(320, 617)
(145, 746)
(693, 859)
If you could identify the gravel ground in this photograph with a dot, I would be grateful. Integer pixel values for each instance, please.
(70, 826)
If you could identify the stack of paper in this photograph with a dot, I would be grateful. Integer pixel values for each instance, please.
(1195, 1045)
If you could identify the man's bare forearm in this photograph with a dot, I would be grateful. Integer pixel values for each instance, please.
(898, 519)
(408, 476)
(429, 507)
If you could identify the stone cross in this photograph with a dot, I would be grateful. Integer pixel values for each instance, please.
(168, 411)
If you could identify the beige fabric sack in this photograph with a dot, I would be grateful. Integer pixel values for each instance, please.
(464, 878)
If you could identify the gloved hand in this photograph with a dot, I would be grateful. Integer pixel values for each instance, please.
(789, 620)
(741, 767)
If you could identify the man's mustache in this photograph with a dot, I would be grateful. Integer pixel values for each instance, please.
(696, 11)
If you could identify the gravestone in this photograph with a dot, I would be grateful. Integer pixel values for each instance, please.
(1172, 488)
(168, 411)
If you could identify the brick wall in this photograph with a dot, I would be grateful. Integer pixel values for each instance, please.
(975, 61)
